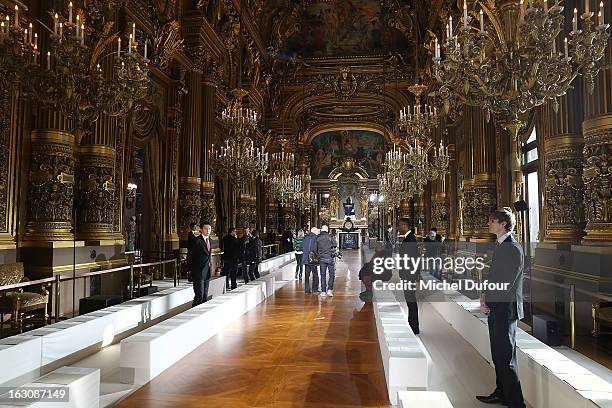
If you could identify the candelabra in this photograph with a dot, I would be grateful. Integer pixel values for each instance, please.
(418, 121)
(16, 48)
(509, 76)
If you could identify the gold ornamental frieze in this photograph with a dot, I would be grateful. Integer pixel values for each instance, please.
(484, 202)
(468, 208)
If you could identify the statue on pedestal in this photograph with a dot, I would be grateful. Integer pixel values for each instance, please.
(349, 207)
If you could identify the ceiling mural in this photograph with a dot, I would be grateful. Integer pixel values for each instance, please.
(329, 148)
(344, 28)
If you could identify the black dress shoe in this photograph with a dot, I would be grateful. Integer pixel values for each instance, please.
(491, 399)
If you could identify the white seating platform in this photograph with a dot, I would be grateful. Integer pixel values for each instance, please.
(423, 399)
(406, 361)
(81, 384)
(27, 356)
(147, 354)
(275, 266)
(548, 378)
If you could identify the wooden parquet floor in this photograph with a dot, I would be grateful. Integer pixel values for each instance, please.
(294, 350)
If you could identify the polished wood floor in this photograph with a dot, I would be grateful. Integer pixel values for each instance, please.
(294, 350)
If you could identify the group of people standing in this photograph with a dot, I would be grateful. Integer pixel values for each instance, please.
(315, 253)
(245, 251)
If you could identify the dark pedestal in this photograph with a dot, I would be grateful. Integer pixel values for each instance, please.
(97, 302)
(147, 290)
(547, 329)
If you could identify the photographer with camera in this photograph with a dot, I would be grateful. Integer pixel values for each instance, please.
(326, 251)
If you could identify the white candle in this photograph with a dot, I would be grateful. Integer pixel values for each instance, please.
(436, 48)
(465, 14)
(481, 20)
(35, 40)
(521, 11)
(587, 6)
(566, 50)
(48, 60)
(130, 45)
(82, 34)
(601, 14)
(119, 47)
(2, 28)
(16, 16)
(545, 5)
(55, 23)
(30, 34)
(78, 24)
(450, 25)
(25, 35)
(61, 25)
(7, 24)
(134, 31)
(70, 12)
(145, 49)
(575, 20)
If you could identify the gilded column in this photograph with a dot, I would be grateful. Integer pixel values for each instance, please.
(564, 188)
(190, 202)
(208, 211)
(175, 126)
(51, 179)
(468, 173)
(485, 191)
(597, 130)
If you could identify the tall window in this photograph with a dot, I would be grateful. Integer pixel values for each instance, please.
(531, 227)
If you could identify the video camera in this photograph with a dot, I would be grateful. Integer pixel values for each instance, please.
(336, 253)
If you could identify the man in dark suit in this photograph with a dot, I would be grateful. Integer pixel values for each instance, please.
(408, 247)
(389, 239)
(254, 254)
(504, 309)
(200, 264)
(433, 247)
(244, 245)
(231, 255)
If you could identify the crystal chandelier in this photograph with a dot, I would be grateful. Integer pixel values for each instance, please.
(68, 76)
(285, 186)
(408, 170)
(240, 121)
(238, 159)
(418, 120)
(509, 76)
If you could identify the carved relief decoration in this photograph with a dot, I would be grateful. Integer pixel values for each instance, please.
(598, 176)
(484, 202)
(564, 189)
(346, 84)
(190, 203)
(4, 155)
(50, 190)
(468, 210)
(96, 195)
(208, 211)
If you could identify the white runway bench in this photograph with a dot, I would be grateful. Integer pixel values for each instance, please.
(548, 378)
(28, 356)
(406, 362)
(147, 354)
(82, 384)
(423, 399)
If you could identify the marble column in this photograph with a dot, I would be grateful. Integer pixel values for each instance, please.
(190, 201)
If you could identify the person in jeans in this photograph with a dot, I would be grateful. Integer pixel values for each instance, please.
(309, 244)
(325, 249)
(297, 247)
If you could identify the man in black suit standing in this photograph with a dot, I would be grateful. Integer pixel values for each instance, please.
(409, 248)
(504, 309)
(200, 264)
(231, 255)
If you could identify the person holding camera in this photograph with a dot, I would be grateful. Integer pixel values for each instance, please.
(325, 249)
(309, 247)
